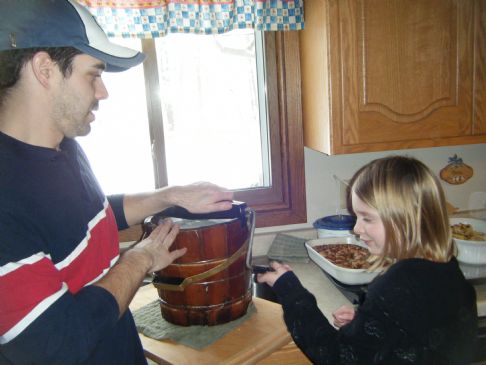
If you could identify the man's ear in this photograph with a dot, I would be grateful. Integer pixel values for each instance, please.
(43, 68)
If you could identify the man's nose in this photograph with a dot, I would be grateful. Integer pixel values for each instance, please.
(101, 91)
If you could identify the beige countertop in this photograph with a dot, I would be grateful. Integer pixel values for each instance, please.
(481, 298)
(256, 338)
(478, 214)
(479, 284)
(329, 298)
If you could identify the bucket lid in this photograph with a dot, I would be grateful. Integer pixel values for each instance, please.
(338, 222)
(190, 224)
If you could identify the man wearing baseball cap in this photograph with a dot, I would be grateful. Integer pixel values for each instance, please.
(64, 288)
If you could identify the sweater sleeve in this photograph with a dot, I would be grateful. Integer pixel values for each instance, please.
(116, 203)
(356, 343)
(41, 320)
(67, 332)
(307, 325)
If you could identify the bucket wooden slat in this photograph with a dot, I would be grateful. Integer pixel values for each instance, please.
(220, 298)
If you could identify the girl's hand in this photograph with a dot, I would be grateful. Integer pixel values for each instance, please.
(270, 277)
(343, 315)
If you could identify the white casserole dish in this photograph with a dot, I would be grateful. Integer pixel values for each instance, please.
(473, 271)
(341, 274)
(468, 251)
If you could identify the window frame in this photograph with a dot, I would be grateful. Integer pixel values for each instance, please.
(284, 201)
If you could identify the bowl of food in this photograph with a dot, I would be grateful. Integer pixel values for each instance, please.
(470, 237)
(344, 258)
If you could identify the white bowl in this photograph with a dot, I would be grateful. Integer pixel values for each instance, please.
(473, 271)
(341, 274)
(471, 252)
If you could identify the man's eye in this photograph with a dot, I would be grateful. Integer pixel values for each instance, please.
(95, 77)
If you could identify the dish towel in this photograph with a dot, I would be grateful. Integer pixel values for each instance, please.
(149, 321)
(288, 249)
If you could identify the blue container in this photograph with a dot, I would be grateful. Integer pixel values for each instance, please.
(335, 225)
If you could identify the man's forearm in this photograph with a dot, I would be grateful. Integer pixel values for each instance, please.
(139, 206)
(197, 198)
(124, 279)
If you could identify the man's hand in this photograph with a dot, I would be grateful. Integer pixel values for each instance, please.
(157, 246)
(151, 254)
(202, 197)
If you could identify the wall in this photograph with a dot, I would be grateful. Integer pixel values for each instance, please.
(321, 189)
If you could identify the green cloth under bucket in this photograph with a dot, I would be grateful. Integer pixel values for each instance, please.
(149, 322)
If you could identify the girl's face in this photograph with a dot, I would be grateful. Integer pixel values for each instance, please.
(368, 225)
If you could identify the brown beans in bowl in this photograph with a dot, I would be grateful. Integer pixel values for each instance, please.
(345, 255)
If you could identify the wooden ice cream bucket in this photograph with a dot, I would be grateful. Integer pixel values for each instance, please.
(210, 284)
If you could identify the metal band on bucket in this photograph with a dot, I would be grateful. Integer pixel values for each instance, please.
(198, 277)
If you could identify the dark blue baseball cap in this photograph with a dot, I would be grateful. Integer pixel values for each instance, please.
(60, 23)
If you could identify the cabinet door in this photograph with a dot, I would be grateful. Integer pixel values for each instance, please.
(479, 106)
(405, 68)
(401, 73)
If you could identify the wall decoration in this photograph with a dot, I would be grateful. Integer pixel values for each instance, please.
(456, 172)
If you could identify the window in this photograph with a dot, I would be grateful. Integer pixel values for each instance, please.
(275, 189)
(213, 116)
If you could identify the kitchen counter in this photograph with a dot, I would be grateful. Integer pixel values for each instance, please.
(269, 342)
(480, 286)
(477, 273)
(330, 298)
(262, 339)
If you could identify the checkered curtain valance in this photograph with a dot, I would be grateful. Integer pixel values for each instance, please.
(157, 18)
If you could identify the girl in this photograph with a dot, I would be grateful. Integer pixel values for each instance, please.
(421, 310)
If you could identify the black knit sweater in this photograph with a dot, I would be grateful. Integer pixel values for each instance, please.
(417, 313)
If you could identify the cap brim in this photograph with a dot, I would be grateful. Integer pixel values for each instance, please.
(61, 23)
(113, 62)
(116, 57)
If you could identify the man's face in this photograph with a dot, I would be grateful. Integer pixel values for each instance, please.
(78, 96)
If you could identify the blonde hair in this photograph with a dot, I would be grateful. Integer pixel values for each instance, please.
(411, 204)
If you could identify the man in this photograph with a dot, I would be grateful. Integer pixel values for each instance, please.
(64, 289)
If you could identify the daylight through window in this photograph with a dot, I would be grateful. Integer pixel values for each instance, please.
(212, 109)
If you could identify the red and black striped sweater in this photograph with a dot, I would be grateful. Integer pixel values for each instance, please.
(58, 235)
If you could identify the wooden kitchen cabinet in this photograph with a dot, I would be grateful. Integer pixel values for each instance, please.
(391, 74)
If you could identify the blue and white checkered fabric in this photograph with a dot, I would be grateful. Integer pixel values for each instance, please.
(212, 18)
